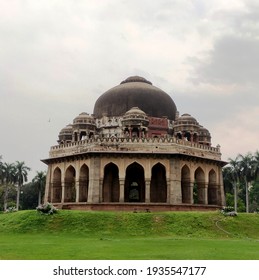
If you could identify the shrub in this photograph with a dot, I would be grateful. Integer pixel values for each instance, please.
(11, 209)
(228, 211)
(47, 208)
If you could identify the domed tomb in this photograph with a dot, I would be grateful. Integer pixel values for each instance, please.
(65, 135)
(135, 91)
(204, 136)
(186, 127)
(137, 121)
(84, 118)
(135, 114)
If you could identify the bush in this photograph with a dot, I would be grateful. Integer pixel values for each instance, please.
(240, 203)
(11, 209)
(47, 208)
(228, 211)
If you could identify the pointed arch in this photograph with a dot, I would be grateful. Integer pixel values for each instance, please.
(70, 186)
(111, 186)
(134, 183)
(57, 186)
(83, 183)
(82, 135)
(186, 184)
(135, 132)
(212, 188)
(158, 185)
(199, 186)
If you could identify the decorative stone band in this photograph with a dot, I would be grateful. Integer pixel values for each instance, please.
(167, 145)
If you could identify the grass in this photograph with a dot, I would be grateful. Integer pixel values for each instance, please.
(83, 235)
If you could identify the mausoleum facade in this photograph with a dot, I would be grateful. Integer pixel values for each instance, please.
(135, 152)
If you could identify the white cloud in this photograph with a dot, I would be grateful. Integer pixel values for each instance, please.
(58, 57)
(239, 133)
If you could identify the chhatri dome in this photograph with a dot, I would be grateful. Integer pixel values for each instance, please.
(138, 92)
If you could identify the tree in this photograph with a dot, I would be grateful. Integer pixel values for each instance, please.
(8, 180)
(233, 175)
(256, 165)
(39, 180)
(29, 196)
(246, 171)
(254, 196)
(21, 175)
(1, 171)
(1, 180)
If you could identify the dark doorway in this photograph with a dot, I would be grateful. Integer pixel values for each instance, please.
(158, 186)
(135, 183)
(111, 186)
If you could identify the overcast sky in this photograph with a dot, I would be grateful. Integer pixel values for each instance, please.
(58, 57)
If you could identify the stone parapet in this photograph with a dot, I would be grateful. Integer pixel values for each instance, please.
(163, 145)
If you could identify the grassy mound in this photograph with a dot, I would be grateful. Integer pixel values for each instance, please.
(74, 235)
(124, 224)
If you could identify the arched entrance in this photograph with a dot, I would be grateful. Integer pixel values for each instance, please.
(57, 187)
(135, 183)
(212, 188)
(111, 186)
(158, 186)
(199, 186)
(70, 188)
(83, 183)
(82, 135)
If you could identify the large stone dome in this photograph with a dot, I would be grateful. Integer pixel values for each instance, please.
(135, 92)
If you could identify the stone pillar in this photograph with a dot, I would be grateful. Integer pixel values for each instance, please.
(187, 191)
(205, 201)
(50, 197)
(191, 192)
(48, 186)
(77, 190)
(101, 189)
(191, 134)
(121, 199)
(221, 193)
(202, 193)
(130, 132)
(175, 196)
(147, 192)
(94, 180)
(63, 191)
(192, 180)
(213, 194)
(168, 183)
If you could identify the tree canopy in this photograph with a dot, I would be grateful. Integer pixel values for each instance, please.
(241, 179)
(14, 192)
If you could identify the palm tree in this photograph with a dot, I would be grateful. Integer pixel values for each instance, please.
(256, 165)
(246, 169)
(39, 180)
(21, 175)
(1, 170)
(234, 165)
(8, 179)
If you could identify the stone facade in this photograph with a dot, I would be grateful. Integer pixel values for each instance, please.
(135, 160)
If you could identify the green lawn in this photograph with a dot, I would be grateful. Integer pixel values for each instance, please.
(82, 235)
(42, 246)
